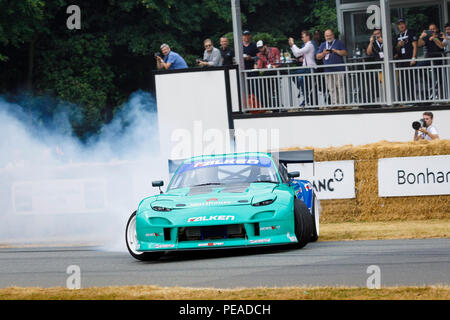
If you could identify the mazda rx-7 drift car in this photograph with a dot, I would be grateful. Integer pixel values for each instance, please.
(227, 201)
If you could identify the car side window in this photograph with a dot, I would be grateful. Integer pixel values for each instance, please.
(283, 173)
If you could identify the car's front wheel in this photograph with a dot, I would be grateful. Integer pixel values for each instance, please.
(131, 241)
(303, 223)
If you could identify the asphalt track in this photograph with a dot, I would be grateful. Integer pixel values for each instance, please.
(401, 262)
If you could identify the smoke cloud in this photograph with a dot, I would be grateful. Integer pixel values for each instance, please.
(55, 189)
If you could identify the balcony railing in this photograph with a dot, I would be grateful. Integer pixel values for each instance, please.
(359, 84)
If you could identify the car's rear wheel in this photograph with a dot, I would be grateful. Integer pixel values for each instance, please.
(303, 223)
(131, 241)
(315, 219)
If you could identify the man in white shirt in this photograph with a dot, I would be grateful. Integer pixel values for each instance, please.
(429, 132)
(308, 55)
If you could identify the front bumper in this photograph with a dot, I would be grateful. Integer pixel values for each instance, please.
(262, 228)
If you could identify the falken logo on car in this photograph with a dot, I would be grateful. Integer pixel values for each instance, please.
(211, 218)
(227, 161)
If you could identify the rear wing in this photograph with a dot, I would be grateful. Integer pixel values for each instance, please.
(297, 156)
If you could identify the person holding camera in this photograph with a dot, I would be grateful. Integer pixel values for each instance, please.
(170, 61)
(308, 53)
(375, 47)
(333, 51)
(424, 129)
(376, 52)
(434, 43)
(211, 55)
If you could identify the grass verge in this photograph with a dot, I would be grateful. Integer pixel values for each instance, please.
(178, 293)
(385, 230)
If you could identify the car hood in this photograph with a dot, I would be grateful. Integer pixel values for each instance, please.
(213, 195)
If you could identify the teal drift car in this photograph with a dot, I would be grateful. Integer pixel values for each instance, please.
(227, 201)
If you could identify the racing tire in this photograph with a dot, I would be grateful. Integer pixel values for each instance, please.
(303, 223)
(315, 219)
(131, 241)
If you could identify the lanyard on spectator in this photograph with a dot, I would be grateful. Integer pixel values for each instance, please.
(404, 36)
(379, 45)
(328, 48)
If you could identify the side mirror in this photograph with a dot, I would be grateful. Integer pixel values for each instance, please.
(158, 184)
(293, 175)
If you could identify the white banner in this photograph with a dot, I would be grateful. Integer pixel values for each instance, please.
(330, 179)
(414, 176)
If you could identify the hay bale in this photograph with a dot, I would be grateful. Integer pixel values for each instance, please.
(367, 206)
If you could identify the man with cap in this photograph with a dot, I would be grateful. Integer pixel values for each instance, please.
(250, 50)
(405, 48)
(268, 57)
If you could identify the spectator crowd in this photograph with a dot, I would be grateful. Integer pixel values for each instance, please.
(326, 51)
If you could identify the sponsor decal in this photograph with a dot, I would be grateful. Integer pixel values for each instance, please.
(160, 246)
(211, 244)
(292, 238)
(211, 218)
(269, 228)
(260, 241)
(154, 234)
(210, 203)
(252, 161)
(212, 199)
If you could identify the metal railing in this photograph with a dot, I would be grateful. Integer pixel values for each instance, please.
(427, 81)
(354, 85)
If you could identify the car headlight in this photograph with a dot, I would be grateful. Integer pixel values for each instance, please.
(263, 203)
(161, 209)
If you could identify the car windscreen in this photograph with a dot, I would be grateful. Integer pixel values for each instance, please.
(225, 171)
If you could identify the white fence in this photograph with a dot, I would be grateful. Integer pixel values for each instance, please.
(358, 84)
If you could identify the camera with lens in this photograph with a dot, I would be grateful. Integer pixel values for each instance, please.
(419, 124)
(157, 55)
(429, 33)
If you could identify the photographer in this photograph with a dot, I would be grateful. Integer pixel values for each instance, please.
(375, 48)
(376, 52)
(427, 131)
(433, 41)
(171, 60)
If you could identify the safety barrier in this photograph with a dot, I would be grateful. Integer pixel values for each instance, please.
(358, 84)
